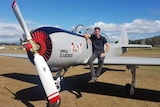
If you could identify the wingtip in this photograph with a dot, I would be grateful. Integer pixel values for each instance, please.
(54, 97)
(14, 3)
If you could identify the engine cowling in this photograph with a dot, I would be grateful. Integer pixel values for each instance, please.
(41, 37)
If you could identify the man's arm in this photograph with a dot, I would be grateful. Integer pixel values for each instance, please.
(87, 36)
(106, 50)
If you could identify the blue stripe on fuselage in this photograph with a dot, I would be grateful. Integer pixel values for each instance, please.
(50, 30)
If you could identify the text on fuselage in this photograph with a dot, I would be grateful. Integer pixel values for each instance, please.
(64, 53)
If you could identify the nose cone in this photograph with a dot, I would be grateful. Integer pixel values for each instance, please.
(28, 46)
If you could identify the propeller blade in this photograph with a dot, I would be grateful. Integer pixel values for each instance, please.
(19, 16)
(41, 65)
(46, 79)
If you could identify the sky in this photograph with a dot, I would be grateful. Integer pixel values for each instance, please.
(140, 18)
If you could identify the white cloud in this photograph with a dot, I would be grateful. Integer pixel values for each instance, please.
(137, 27)
(108, 27)
(143, 26)
(57, 26)
(9, 29)
(10, 32)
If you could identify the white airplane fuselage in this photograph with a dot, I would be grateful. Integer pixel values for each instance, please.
(69, 48)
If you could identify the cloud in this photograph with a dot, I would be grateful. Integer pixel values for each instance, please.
(57, 26)
(143, 26)
(10, 32)
(137, 27)
(110, 27)
(9, 29)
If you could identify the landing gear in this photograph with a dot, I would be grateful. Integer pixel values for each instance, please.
(59, 77)
(56, 104)
(129, 88)
(58, 83)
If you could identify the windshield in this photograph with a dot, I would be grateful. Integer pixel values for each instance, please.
(81, 29)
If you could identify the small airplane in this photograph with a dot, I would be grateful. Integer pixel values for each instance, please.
(54, 49)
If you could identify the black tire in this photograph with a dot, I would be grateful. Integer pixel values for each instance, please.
(127, 89)
(56, 104)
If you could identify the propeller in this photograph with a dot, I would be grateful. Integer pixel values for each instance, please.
(41, 65)
(19, 16)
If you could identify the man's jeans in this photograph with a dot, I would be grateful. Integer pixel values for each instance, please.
(100, 63)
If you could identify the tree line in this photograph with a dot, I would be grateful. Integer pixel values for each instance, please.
(154, 41)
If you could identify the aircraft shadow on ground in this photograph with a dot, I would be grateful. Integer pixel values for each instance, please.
(79, 83)
(104, 69)
(76, 85)
(29, 94)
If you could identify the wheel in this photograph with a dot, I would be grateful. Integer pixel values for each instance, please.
(127, 89)
(56, 104)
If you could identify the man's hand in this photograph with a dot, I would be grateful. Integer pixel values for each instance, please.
(106, 50)
(103, 54)
(87, 37)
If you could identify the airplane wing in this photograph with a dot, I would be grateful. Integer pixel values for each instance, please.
(132, 61)
(136, 46)
(111, 60)
(15, 55)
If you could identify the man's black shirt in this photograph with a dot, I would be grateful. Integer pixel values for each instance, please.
(98, 43)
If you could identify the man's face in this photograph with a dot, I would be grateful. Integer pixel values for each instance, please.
(97, 31)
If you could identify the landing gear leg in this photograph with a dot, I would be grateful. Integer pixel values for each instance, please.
(130, 87)
(59, 77)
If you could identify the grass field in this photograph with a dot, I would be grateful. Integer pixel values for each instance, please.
(20, 85)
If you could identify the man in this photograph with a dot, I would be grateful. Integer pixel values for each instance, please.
(97, 41)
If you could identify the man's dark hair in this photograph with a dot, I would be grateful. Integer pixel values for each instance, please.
(97, 28)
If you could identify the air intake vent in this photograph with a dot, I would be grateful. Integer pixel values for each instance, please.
(43, 39)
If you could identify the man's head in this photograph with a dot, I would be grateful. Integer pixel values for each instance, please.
(97, 31)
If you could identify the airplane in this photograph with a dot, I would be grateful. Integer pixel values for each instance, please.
(52, 49)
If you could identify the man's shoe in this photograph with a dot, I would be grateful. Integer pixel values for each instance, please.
(93, 80)
(97, 75)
